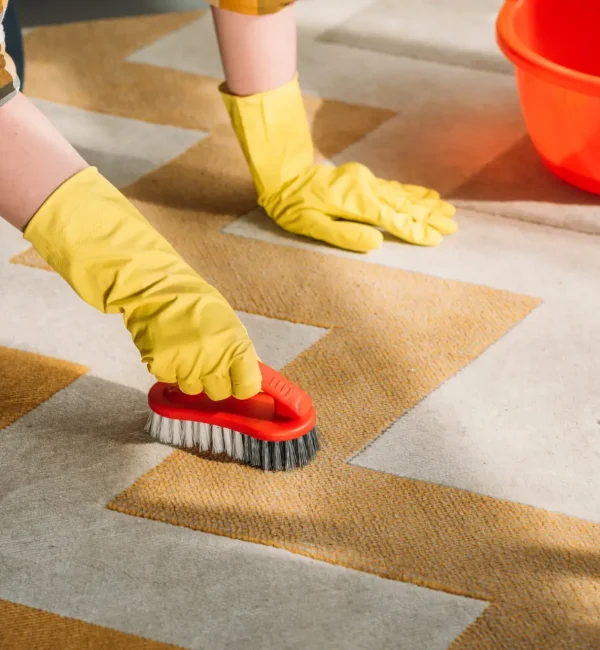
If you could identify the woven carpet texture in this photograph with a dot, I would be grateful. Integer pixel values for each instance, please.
(454, 504)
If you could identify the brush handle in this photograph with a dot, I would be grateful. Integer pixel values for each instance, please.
(290, 400)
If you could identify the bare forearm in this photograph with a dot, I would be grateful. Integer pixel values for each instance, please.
(34, 160)
(258, 52)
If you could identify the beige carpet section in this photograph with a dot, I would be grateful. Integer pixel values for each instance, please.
(127, 149)
(517, 185)
(444, 143)
(25, 628)
(458, 32)
(28, 380)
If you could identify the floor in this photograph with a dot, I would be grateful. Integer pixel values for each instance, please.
(51, 12)
(481, 498)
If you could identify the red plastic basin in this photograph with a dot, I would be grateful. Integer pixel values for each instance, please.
(555, 48)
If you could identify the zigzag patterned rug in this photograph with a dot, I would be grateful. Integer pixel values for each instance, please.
(455, 504)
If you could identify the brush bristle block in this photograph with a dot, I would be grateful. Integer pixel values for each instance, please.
(275, 429)
(269, 456)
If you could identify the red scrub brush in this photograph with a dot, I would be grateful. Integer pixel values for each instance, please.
(274, 430)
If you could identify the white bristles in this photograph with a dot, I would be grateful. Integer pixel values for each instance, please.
(188, 440)
(275, 456)
(218, 446)
(152, 423)
(204, 438)
(175, 433)
(228, 441)
(160, 428)
(238, 446)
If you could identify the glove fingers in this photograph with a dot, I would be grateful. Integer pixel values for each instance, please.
(420, 204)
(438, 207)
(217, 387)
(348, 235)
(246, 378)
(444, 225)
(419, 192)
(352, 194)
(414, 192)
(190, 386)
(412, 230)
(243, 380)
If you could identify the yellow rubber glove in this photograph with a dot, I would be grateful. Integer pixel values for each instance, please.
(116, 261)
(345, 206)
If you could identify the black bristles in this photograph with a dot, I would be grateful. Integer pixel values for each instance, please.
(311, 443)
(316, 440)
(266, 456)
(290, 455)
(301, 451)
(247, 440)
(276, 456)
(281, 456)
(255, 455)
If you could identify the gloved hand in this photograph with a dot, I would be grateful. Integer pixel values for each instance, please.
(111, 256)
(344, 207)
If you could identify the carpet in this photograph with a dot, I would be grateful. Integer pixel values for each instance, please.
(25, 628)
(454, 504)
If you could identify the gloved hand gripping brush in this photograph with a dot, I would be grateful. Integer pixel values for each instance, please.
(188, 335)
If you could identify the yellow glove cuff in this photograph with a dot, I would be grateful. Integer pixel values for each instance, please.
(89, 233)
(274, 133)
(117, 262)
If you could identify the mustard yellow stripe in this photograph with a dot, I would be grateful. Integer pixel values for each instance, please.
(9, 83)
(251, 7)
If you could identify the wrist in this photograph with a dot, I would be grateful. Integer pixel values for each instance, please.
(273, 131)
